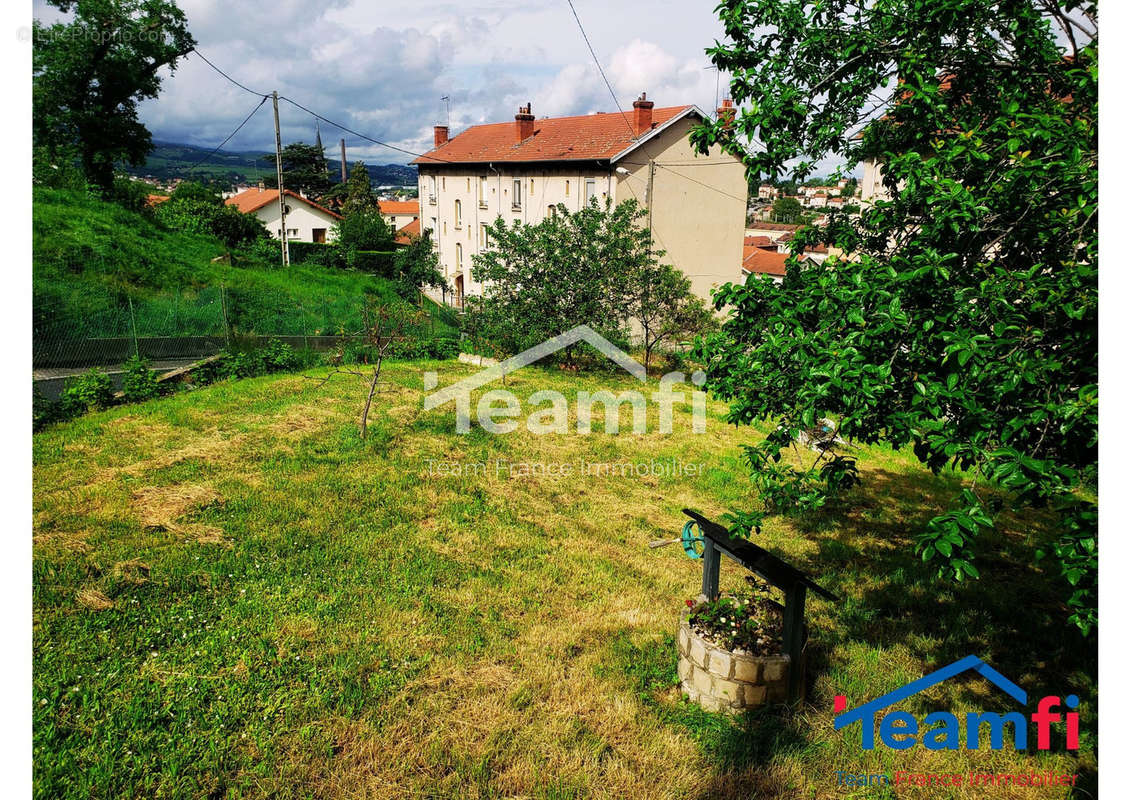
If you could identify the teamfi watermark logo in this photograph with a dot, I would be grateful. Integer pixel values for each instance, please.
(940, 730)
(499, 410)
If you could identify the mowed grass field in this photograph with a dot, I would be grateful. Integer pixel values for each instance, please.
(235, 596)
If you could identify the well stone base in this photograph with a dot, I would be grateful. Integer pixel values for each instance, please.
(719, 680)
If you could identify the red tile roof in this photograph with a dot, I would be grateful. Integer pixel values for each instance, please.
(589, 137)
(155, 199)
(774, 226)
(763, 262)
(759, 241)
(809, 248)
(399, 207)
(406, 234)
(251, 200)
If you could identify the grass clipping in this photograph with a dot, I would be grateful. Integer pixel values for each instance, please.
(160, 508)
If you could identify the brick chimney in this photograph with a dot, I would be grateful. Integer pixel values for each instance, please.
(642, 114)
(523, 123)
(726, 113)
(439, 135)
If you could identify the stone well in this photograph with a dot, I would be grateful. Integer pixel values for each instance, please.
(719, 680)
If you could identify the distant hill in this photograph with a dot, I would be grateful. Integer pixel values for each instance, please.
(172, 160)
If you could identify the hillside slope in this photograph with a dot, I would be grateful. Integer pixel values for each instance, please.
(99, 269)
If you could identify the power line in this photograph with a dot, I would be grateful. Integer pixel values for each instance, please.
(215, 150)
(705, 185)
(229, 77)
(338, 125)
(315, 114)
(601, 70)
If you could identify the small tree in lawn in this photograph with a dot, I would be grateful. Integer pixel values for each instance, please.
(661, 301)
(571, 268)
(383, 325)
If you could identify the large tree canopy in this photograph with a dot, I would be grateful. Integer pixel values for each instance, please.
(90, 73)
(963, 320)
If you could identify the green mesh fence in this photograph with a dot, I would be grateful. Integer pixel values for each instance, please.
(88, 328)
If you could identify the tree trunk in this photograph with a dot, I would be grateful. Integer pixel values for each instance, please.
(369, 400)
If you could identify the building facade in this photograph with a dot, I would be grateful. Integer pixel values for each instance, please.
(522, 170)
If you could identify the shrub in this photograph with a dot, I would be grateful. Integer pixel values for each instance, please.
(250, 361)
(436, 347)
(89, 391)
(375, 262)
(202, 215)
(139, 381)
(133, 195)
(325, 255)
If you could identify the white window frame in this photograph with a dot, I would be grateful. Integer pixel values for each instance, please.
(516, 201)
(457, 215)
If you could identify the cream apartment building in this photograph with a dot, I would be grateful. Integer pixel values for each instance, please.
(521, 170)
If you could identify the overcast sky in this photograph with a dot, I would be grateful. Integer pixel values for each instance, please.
(381, 68)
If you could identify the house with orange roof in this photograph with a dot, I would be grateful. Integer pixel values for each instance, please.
(406, 234)
(306, 220)
(760, 261)
(399, 213)
(525, 169)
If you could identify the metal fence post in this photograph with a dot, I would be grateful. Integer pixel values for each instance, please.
(133, 326)
(224, 317)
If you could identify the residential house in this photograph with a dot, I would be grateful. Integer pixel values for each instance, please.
(872, 186)
(407, 233)
(521, 171)
(763, 261)
(772, 230)
(306, 220)
(399, 213)
(767, 192)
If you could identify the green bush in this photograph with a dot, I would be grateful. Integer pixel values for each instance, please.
(325, 255)
(436, 347)
(375, 262)
(139, 382)
(89, 391)
(201, 215)
(131, 195)
(250, 361)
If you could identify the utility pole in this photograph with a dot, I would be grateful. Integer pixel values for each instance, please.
(343, 143)
(651, 186)
(279, 175)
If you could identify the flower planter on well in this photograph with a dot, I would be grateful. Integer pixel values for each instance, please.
(720, 680)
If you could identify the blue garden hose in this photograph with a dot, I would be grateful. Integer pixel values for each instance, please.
(688, 540)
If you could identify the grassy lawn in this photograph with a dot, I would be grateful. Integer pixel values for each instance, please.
(235, 596)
